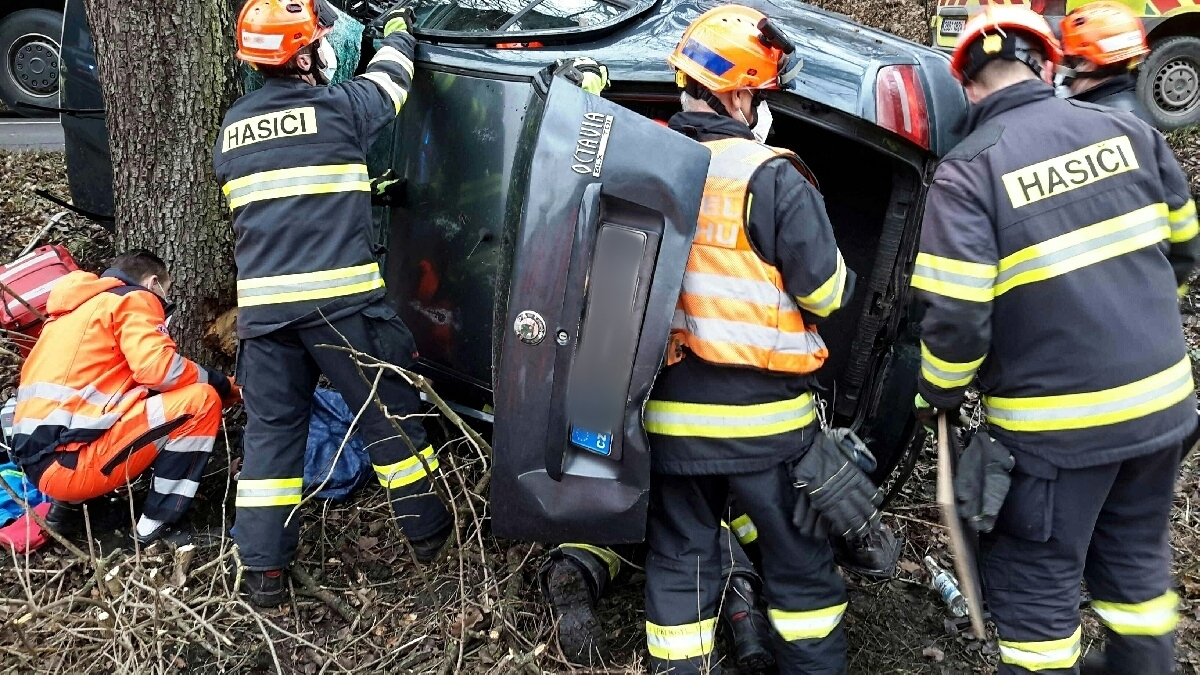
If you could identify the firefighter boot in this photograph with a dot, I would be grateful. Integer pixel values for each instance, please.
(265, 588)
(749, 631)
(874, 556)
(572, 580)
(426, 550)
(65, 518)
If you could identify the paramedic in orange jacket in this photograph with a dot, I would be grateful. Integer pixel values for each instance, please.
(105, 395)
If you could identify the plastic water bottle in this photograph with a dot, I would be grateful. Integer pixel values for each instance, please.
(947, 586)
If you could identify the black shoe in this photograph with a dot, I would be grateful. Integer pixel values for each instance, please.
(580, 633)
(426, 550)
(266, 588)
(176, 534)
(874, 556)
(65, 519)
(748, 628)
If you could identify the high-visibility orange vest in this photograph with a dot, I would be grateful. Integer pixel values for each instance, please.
(734, 309)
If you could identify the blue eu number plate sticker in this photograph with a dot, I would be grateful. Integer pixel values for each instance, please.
(592, 441)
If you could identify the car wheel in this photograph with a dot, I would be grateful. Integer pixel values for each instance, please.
(1169, 83)
(29, 47)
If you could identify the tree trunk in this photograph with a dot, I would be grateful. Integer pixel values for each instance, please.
(168, 74)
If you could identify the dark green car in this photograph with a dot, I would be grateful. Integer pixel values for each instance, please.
(538, 276)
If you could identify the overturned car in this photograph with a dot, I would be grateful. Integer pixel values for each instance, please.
(536, 239)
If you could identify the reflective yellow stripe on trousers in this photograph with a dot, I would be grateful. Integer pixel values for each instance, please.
(1153, 617)
(807, 625)
(704, 420)
(744, 529)
(296, 182)
(269, 492)
(309, 285)
(674, 643)
(406, 472)
(1044, 655)
(1093, 409)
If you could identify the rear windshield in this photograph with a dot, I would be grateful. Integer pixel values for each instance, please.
(524, 18)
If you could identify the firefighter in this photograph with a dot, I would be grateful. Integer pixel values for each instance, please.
(732, 412)
(1102, 43)
(575, 576)
(105, 395)
(292, 161)
(1048, 265)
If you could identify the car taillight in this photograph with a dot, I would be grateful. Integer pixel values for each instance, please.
(900, 103)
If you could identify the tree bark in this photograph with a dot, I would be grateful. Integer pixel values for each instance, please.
(168, 73)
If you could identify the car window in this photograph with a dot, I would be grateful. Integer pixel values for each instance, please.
(508, 17)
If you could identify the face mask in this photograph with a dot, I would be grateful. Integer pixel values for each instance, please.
(329, 61)
(762, 126)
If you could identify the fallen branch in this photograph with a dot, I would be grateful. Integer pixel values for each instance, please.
(310, 585)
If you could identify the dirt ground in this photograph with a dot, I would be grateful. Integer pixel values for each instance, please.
(369, 609)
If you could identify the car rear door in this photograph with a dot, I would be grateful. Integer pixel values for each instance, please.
(607, 222)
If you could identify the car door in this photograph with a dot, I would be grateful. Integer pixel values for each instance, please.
(607, 223)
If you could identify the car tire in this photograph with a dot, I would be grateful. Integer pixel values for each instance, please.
(1169, 83)
(29, 59)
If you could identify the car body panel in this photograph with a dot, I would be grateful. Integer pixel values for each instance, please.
(599, 257)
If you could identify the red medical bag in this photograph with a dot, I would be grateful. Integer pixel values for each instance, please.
(30, 277)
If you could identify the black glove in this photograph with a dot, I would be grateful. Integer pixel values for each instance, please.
(981, 482)
(807, 520)
(583, 72)
(836, 489)
(927, 415)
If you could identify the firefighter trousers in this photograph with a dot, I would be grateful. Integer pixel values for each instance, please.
(279, 373)
(1107, 524)
(172, 433)
(684, 585)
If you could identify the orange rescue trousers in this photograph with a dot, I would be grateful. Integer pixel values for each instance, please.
(172, 432)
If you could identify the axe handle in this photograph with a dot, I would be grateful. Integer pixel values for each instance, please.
(958, 542)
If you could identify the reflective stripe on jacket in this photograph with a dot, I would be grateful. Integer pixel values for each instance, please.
(104, 348)
(292, 161)
(733, 309)
(1049, 261)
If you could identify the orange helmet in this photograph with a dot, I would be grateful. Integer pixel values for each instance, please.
(1002, 31)
(1104, 33)
(723, 50)
(270, 32)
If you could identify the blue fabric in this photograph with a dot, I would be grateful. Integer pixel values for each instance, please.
(330, 420)
(9, 509)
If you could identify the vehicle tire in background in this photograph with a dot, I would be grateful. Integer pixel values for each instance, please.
(1169, 83)
(29, 59)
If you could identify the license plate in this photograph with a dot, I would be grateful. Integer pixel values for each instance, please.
(592, 441)
(952, 26)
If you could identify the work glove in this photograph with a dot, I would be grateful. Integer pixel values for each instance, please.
(927, 415)
(837, 489)
(397, 19)
(981, 482)
(584, 72)
(385, 188)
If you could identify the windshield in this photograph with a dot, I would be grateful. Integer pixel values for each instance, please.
(511, 17)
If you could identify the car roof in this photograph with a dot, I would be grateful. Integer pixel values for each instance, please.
(841, 58)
